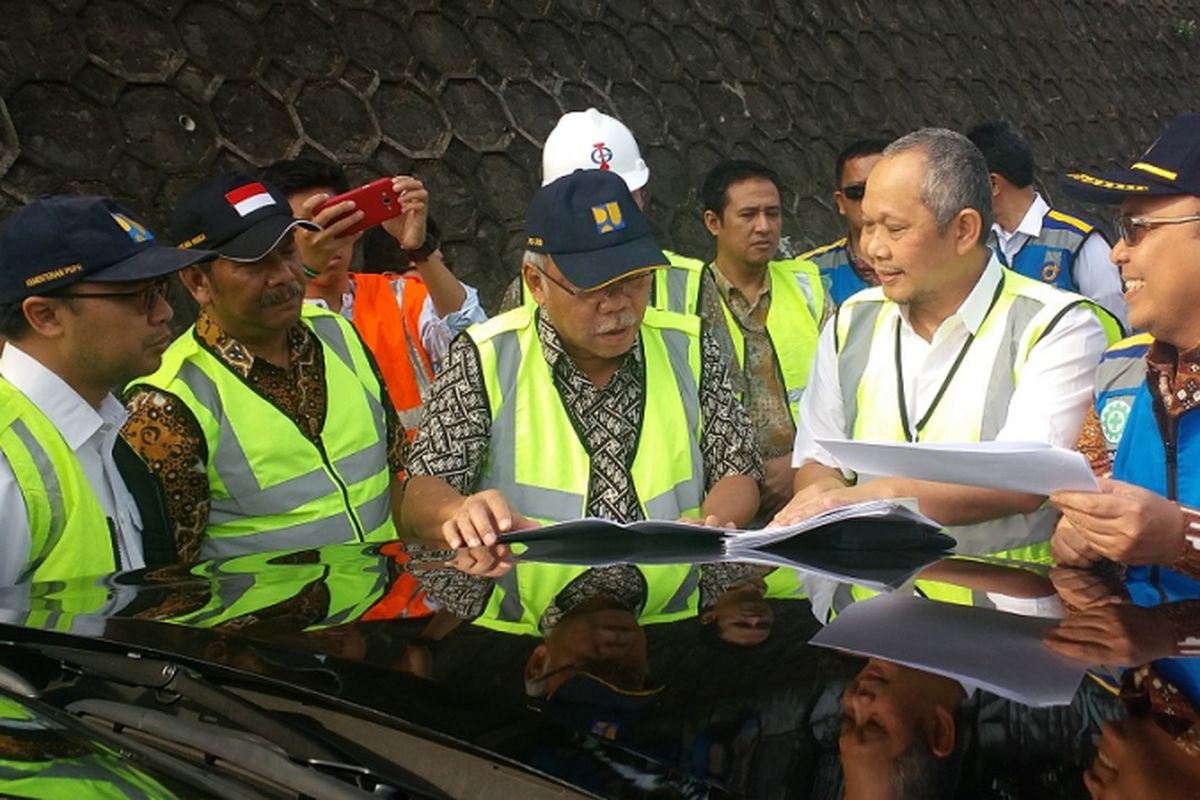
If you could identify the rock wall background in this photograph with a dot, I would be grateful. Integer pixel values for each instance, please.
(139, 99)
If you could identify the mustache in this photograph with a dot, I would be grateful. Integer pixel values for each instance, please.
(620, 321)
(280, 294)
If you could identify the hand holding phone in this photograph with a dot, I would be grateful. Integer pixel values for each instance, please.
(377, 201)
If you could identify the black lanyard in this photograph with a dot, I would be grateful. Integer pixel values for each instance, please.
(911, 434)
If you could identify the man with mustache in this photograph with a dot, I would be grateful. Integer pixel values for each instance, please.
(267, 426)
(83, 307)
(588, 404)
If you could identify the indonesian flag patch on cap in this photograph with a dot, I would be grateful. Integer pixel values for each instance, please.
(249, 198)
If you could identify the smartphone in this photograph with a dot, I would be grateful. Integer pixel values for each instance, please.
(377, 200)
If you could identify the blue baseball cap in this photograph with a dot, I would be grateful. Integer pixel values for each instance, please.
(589, 224)
(63, 239)
(1171, 166)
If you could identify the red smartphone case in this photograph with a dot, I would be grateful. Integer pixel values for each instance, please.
(376, 200)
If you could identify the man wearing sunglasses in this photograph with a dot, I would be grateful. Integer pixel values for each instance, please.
(587, 404)
(83, 308)
(1036, 240)
(1145, 426)
(843, 270)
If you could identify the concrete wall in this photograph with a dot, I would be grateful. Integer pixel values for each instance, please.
(138, 99)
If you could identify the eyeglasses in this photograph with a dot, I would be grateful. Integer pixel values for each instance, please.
(147, 297)
(624, 286)
(854, 191)
(1130, 227)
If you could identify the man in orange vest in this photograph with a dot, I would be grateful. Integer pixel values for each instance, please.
(406, 320)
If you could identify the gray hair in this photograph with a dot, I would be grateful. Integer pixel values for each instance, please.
(956, 175)
(535, 260)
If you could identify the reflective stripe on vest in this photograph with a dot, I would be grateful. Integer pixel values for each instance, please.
(1121, 373)
(838, 275)
(392, 332)
(272, 488)
(797, 303)
(100, 777)
(522, 595)
(70, 536)
(677, 287)
(529, 421)
(1050, 256)
(1023, 312)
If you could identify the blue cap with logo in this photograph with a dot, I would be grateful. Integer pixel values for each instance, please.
(589, 224)
(1171, 166)
(63, 239)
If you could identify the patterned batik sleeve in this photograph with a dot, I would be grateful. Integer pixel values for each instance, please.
(456, 424)
(1093, 445)
(726, 435)
(167, 437)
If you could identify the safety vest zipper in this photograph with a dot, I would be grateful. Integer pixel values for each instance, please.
(1172, 448)
(345, 490)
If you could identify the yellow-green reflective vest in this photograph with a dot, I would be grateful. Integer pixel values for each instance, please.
(273, 488)
(70, 534)
(522, 595)
(102, 775)
(793, 320)
(974, 404)
(536, 459)
(253, 583)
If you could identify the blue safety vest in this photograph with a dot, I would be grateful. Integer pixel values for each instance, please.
(837, 270)
(1050, 256)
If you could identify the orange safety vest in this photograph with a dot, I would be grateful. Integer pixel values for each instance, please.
(393, 333)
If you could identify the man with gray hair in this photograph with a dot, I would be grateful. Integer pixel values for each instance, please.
(950, 347)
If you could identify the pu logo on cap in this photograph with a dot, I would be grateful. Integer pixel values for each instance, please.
(136, 231)
(608, 217)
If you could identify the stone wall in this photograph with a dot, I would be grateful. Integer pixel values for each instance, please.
(138, 99)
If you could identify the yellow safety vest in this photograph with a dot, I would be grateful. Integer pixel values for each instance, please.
(973, 404)
(272, 488)
(793, 320)
(70, 533)
(537, 460)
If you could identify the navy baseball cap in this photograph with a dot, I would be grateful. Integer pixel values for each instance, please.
(240, 217)
(63, 239)
(1170, 167)
(588, 223)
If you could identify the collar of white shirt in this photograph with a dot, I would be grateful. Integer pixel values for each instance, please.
(1030, 224)
(977, 303)
(73, 416)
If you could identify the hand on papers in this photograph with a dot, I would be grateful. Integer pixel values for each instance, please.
(1122, 522)
(1122, 635)
(1135, 759)
(1087, 588)
(818, 497)
(483, 561)
(480, 517)
(711, 521)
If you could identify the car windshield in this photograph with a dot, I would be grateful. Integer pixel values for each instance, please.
(605, 666)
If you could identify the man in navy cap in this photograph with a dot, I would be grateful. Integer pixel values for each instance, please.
(266, 427)
(588, 404)
(83, 307)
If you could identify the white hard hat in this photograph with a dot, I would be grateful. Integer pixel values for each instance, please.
(592, 140)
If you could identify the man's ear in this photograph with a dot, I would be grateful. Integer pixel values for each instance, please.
(839, 202)
(42, 315)
(535, 283)
(712, 222)
(967, 227)
(535, 666)
(198, 282)
(992, 177)
(942, 732)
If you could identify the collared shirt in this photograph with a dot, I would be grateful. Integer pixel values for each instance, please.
(1095, 274)
(91, 434)
(452, 442)
(436, 331)
(1048, 405)
(759, 378)
(1174, 379)
(168, 437)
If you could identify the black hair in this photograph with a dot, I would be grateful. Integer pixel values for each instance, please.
(13, 323)
(302, 174)
(382, 253)
(715, 191)
(856, 149)
(1006, 152)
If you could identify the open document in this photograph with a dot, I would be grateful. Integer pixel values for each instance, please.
(999, 652)
(1032, 467)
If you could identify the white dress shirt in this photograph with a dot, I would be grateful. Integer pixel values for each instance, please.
(1048, 405)
(91, 434)
(1093, 269)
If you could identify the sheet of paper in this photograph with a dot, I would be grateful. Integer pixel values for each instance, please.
(998, 652)
(902, 510)
(1033, 467)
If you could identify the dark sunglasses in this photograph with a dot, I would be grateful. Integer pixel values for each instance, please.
(854, 191)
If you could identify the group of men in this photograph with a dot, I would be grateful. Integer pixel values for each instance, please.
(623, 382)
